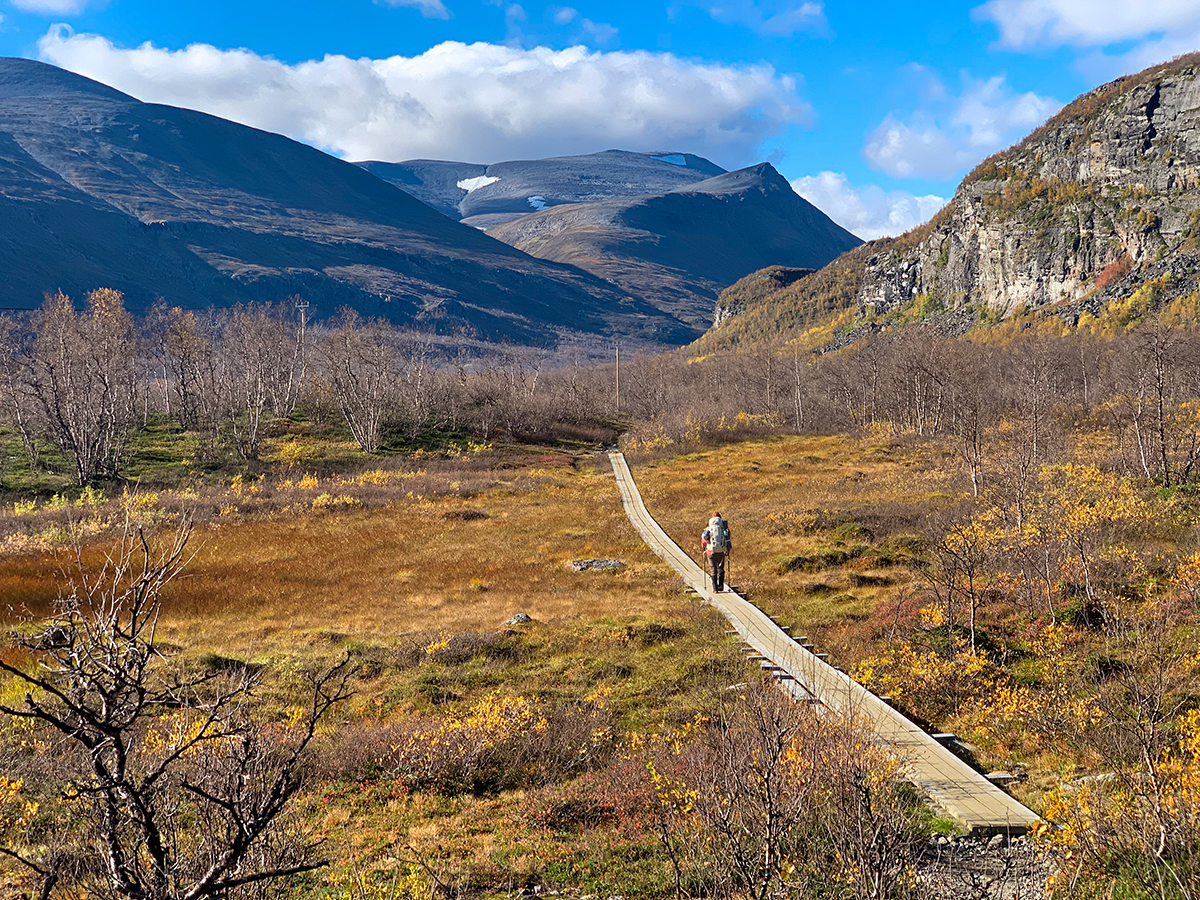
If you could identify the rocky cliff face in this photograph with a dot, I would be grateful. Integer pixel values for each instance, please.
(1109, 186)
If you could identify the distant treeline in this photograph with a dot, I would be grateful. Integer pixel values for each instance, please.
(84, 380)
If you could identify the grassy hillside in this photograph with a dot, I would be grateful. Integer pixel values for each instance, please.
(765, 309)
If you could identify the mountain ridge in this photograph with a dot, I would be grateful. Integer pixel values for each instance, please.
(503, 191)
(723, 226)
(1100, 200)
(100, 189)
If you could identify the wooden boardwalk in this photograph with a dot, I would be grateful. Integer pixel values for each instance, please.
(976, 803)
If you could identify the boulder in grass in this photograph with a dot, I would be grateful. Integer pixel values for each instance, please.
(597, 565)
(520, 619)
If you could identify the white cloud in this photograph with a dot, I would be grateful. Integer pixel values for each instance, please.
(1157, 30)
(991, 113)
(915, 149)
(1102, 66)
(56, 7)
(942, 142)
(1087, 23)
(868, 211)
(771, 17)
(480, 102)
(564, 15)
(430, 9)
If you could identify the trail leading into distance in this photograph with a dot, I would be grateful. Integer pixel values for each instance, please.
(968, 796)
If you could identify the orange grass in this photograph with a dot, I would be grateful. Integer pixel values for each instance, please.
(762, 486)
(412, 567)
(388, 581)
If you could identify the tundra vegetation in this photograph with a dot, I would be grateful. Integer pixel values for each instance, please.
(257, 574)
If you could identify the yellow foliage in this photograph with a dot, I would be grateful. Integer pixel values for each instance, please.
(141, 508)
(1127, 812)
(928, 680)
(91, 496)
(328, 501)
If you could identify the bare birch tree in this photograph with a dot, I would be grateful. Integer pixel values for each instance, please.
(364, 366)
(82, 372)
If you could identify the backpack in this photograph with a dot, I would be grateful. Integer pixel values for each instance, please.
(718, 536)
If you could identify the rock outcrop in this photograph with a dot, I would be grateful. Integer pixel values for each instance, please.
(1102, 198)
(1112, 180)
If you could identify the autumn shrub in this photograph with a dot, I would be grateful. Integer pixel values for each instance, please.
(764, 799)
(503, 741)
(934, 685)
(821, 558)
(617, 795)
(1113, 271)
(1139, 826)
(358, 750)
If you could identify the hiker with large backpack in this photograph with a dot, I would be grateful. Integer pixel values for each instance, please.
(716, 544)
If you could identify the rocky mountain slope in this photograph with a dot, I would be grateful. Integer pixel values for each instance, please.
(487, 195)
(1101, 199)
(680, 248)
(99, 189)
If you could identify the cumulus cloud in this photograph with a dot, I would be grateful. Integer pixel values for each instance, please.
(1157, 30)
(941, 142)
(1087, 23)
(1101, 65)
(867, 211)
(481, 102)
(430, 9)
(56, 7)
(563, 15)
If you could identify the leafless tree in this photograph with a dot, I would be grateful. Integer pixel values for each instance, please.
(16, 397)
(182, 792)
(364, 367)
(248, 353)
(82, 372)
(186, 345)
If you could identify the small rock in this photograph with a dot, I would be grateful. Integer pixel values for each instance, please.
(597, 565)
(520, 619)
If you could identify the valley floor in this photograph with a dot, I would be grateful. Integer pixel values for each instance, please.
(543, 780)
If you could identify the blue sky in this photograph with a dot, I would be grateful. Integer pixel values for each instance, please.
(874, 110)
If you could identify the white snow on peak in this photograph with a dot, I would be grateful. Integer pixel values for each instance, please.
(676, 159)
(538, 202)
(473, 184)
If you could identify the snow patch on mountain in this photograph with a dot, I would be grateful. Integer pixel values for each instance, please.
(474, 184)
(538, 202)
